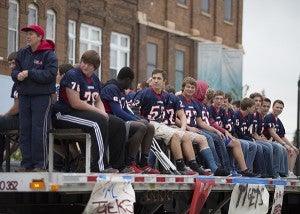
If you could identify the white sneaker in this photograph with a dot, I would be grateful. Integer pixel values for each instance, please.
(291, 175)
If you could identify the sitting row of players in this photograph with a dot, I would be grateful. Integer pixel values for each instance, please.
(184, 120)
(180, 121)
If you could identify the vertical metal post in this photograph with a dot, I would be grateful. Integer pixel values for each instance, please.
(298, 131)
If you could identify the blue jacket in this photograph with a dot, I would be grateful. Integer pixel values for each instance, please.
(42, 66)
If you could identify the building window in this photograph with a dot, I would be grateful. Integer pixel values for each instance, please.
(71, 41)
(51, 23)
(151, 58)
(90, 39)
(204, 6)
(13, 20)
(182, 2)
(119, 52)
(228, 10)
(32, 14)
(179, 67)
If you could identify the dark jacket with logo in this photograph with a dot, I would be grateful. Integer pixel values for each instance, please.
(42, 66)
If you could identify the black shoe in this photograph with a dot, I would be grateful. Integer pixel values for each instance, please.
(221, 172)
(248, 173)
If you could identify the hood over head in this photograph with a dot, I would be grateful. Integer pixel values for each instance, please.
(202, 87)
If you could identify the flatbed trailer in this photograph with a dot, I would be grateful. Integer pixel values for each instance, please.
(58, 192)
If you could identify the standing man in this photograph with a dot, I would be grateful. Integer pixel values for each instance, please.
(35, 74)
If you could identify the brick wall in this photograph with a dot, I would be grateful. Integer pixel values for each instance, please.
(168, 24)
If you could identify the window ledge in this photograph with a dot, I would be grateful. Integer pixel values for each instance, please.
(182, 6)
(228, 22)
(205, 14)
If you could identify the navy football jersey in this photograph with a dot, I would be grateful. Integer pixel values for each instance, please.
(228, 121)
(110, 94)
(191, 110)
(204, 112)
(129, 97)
(270, 121)
(243, 126)
(172, 105)
(152, 105)
(217, 115)
(257, 123)
(88, 88)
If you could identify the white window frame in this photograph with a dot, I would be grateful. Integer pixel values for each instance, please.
(12, 42)
(34, 15)
(51, 26)
(71, 41)
(90, 42)
(120, 50)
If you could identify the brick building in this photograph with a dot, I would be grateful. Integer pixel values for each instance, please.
(200, 38)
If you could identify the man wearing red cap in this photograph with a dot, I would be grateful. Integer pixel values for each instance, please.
(35, 74)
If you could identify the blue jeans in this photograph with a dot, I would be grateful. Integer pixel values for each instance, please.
(258, 166)
(278, 157)
(220, 149)
(212, 147)
(152, 159)
(268, 158)
(283, 167)
(249, 150)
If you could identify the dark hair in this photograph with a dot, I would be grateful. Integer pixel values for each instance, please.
(11, 56)
(256, 94)
(266, 99)
(63, 68)
(170, 89)
(278, 101)
(236, 103)
(189, 80)
(160, 71)
(219, 93)
(124, 73)
(228, 96)
(91, 57)
(247, 103)
(144, 84)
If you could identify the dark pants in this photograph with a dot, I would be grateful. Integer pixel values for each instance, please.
(116, 142)
(7, 123)
(34, 119)
(102, 132)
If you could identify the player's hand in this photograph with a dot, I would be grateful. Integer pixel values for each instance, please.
(220, 134)
(289, 148)
(195, 130)
(295, 149)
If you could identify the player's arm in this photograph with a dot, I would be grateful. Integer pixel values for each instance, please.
(181, 115)
(207, 127)
(119, 112)
(278, 139)
(290, 144)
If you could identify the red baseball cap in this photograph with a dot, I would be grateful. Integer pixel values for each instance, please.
(35, 28)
